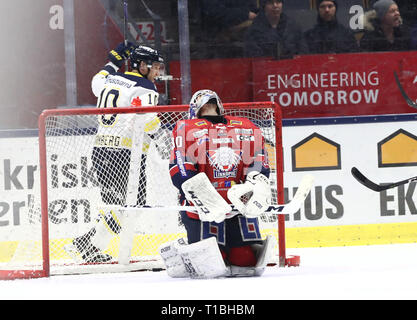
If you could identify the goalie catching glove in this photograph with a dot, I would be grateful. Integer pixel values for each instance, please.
(260, 199)
(209, 203)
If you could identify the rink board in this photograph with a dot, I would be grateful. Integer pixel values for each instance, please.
(73, 207)
(338, 212)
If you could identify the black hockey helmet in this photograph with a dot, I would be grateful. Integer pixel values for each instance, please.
(145, 54)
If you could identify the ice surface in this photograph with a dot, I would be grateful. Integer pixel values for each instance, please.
(363, 272)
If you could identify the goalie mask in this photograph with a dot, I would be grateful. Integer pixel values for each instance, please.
(202, 97)
(147, 55)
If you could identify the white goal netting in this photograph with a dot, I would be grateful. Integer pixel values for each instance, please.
(82, 180)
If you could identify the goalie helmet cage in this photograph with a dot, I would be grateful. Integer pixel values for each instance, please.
(69, 197)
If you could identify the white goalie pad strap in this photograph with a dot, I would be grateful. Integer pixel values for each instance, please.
(172, 259)
(209, 203)
(260, 199)
(203, 259)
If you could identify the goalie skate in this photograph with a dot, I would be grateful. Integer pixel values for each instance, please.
(82, 251)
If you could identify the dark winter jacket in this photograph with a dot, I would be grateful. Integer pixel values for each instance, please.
(413, 36)
(219, 15)
(285, 41)
(330, 37)
(375, 40)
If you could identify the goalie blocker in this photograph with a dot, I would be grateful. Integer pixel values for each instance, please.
(209, 203)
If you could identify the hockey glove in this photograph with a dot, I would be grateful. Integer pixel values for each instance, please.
(253, 197)
(209, 203)
(118, 55)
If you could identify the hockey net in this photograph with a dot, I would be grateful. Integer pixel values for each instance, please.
(69, 198)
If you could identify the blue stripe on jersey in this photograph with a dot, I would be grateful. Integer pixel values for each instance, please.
(139, 79)
(109, 69)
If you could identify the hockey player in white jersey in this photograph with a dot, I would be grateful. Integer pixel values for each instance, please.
(135, 88)
(119, 138)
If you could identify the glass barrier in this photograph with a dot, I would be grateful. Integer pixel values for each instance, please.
(316, 58)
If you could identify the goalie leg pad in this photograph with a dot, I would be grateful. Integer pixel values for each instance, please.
(263, 254)
(203, 259)
(172, 259)
(200, 260)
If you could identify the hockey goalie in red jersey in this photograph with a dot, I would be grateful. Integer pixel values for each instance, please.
(220, 166)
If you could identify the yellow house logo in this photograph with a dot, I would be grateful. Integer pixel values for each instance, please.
(316, 153)
(398, 150)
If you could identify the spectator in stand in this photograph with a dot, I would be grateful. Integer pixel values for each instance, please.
(408, 11)
(409, 17)
(384, 30)
(273, 34)
(328, 35)
(224, 22)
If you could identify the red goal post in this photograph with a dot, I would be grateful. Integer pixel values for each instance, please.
(69, 196)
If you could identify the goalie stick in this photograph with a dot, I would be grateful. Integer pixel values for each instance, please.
(410, 102)
(376, 187)
(288, 208)
(127, 231)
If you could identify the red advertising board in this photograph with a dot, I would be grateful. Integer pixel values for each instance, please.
(312, 85)
(230, 78)
(337, 85)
